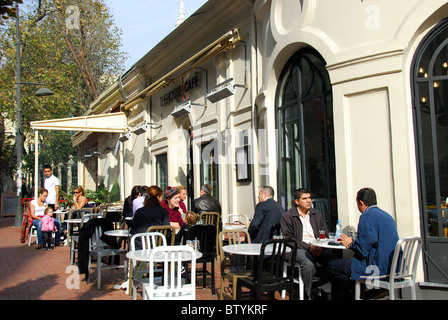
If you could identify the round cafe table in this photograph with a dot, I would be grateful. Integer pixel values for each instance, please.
(125, 233)
(248, 249)
(73, 221)
(324, 244)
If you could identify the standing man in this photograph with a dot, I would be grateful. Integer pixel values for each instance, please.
(374, 246)
(303, 223)
(267, 214)
(52, 185)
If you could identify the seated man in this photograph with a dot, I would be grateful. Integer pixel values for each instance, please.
(267, 214)
(207, 203)
(303, 223)
(374, 245)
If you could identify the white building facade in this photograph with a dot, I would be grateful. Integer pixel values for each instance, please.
(328, 95)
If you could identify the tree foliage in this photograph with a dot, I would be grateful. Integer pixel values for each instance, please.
(73, 47)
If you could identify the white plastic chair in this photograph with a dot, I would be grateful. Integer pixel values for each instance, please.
(402, 270)
(149, 240)
(297, 280)
(99, 249)
(233, 217)
(33, 233)
(174, 287)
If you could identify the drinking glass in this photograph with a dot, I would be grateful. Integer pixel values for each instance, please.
(196, 245)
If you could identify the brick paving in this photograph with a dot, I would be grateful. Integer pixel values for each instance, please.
(30, 274)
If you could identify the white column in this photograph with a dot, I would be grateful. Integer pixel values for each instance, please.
(36, 164)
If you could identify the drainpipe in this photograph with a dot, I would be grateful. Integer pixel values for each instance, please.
(253, 94)
(122, 171)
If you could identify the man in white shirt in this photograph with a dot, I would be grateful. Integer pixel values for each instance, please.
(303, 223)
(52, 185)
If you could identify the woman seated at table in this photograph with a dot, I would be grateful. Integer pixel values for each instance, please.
(151, 214)
(171, 203)
(79, 198)
(37, 211)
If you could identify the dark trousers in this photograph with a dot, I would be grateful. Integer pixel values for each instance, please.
(46, 239)
(342, 287)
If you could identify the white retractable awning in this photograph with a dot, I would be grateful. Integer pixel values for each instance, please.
(111, 122)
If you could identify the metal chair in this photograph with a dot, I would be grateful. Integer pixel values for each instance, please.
(174, 285)
(232, 267)
(102, 208)
(402, 270)
(98, 249)
(168, 231)
(294, 265)
(235, 217)
(205, 233)
(144, 241)
(74, 238)
(268, 274)
(212, 218)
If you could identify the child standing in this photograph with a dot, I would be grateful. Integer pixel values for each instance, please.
(48, 228)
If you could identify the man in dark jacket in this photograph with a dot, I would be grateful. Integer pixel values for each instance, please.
(303, 223)
(206, 202)
(267, 214)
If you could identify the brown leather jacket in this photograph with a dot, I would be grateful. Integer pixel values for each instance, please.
(292, 226)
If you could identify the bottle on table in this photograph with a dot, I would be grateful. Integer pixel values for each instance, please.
(338, 230)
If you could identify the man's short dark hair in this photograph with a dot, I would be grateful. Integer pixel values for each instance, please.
(47, 166)
(269, 191)
(298, 193)
(207, 188)
(367, 195)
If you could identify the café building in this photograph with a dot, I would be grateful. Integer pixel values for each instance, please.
(328, 95)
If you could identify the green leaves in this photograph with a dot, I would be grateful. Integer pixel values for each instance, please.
(72, 55)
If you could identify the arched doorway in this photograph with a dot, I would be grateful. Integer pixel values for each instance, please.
(304, 121)
(430, 91)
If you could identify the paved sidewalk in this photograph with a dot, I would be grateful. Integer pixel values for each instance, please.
(30, 274)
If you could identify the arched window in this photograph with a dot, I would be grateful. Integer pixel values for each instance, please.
(305, 133)
(430, 91)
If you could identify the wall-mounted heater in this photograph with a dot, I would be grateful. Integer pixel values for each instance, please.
(125, 137)
(182, 109)
(222, 91)
(140, 129)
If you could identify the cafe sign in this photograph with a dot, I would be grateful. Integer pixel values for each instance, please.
(179, 91)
